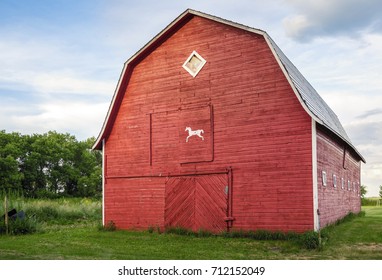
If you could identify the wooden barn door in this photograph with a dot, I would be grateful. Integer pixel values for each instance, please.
(197, 202)
(179, 202)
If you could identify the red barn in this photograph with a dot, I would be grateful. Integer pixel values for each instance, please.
(212, 127)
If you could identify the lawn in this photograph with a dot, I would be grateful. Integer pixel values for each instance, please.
(80, 237)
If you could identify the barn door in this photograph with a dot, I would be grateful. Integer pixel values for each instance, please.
(179, 202)
(197, 202)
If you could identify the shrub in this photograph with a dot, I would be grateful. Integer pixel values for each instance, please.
(18, 226)
(110, 226)
(310, 240)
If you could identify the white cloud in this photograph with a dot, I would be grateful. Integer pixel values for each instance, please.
(296, 26)
(68, 83)
(46, 84)
(315, 18)
(82, 119)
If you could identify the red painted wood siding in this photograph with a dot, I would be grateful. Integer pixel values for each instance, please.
(197, 202)
(135, 203)
(257, 124)
(336, 202)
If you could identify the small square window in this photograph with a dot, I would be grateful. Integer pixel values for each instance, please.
(194, 64)
(324, 179)
(334, 181)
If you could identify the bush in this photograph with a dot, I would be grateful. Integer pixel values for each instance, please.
(310, 240)
(18, 226)
(110, 226)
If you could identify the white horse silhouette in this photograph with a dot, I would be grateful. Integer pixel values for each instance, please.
(194, 132)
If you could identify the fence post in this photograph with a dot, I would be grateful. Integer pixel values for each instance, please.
(6, 214)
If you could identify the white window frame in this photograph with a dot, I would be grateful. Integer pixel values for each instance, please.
(334, 181)
(198, 56)
(324, 179)
(342, 183)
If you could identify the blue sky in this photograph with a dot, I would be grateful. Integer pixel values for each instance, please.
(60, 60)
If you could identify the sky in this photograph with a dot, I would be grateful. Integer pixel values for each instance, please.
(60, 60)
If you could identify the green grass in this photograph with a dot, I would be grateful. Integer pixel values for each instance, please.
(79, 237)
(358, 239)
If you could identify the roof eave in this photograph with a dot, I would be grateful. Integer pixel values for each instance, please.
(345, 141)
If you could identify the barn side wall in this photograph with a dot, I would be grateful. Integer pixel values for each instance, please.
(341, 195)
(252, 120)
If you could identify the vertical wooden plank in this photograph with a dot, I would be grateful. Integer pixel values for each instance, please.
(151, 139)
(6, 214)
(230, 218)
(212, 132)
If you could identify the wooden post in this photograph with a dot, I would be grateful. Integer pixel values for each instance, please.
(6, 214)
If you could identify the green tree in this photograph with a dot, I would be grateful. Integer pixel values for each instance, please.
(33, 165)
(363, 191)
(89, 166)
(10, 177)
(50, 164)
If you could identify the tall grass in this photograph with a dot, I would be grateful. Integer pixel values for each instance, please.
(371, 201)
(63, 211)
(43, 213)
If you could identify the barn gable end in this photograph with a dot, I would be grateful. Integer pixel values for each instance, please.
(230, 147)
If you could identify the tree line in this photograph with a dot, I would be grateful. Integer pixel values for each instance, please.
(49, 165)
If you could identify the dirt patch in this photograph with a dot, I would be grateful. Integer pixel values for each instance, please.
(367, 247)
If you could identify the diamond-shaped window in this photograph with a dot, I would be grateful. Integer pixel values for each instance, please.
(194, 64)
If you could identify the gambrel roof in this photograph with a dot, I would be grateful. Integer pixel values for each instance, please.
(311, 101)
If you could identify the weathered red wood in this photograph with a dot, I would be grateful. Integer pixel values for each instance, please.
(211, 203)
(332, 158)
(197, 202)
(180, 202)
(135, 203)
